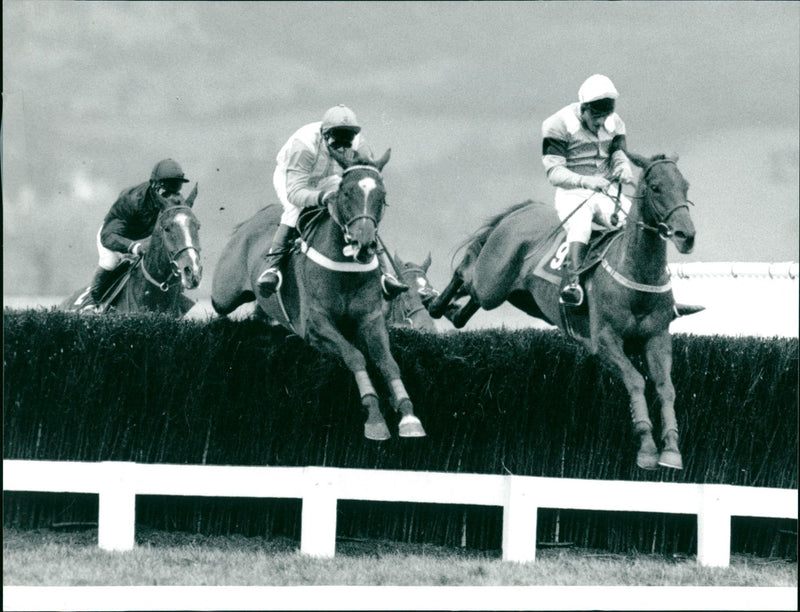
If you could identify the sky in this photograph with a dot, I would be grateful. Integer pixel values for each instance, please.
(95, 93)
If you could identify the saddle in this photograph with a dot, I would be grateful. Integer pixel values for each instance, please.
(574, 318)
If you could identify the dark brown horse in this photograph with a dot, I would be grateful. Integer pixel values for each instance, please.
(516, 257)
(407, 309)
(330, 293)
(155, 282)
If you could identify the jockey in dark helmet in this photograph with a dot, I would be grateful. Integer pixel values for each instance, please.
(306, 175)
(130, 222)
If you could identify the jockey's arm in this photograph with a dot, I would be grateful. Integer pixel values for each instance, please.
(620, 164)
(299, 191)
(115, 226)
(555, 165)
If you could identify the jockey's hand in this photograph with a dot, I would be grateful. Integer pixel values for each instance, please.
(595, 183)
(137, 249)
(624, 176)
(325, 198)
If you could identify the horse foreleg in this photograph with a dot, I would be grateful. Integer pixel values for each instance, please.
(459, 316)
(438, 306)
(608, 344)
(376, 338)
(658, 352)
(326, 337)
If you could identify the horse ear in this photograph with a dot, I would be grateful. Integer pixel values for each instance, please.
(383, 160)
(639, 160)
(427, 263)
(673, 157)
(192, 196)
(398, 260)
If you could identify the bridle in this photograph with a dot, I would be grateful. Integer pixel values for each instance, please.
(172, 256)
(345, 225)
(662, 228)
(407, 314)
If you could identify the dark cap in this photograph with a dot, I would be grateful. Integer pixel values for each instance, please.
(168, 169)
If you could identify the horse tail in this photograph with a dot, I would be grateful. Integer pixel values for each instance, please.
(474, 243)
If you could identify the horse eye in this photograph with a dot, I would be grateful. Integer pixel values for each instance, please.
(655, 188)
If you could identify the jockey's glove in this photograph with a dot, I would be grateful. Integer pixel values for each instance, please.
(624, 176)
(137, 249)
(595, 183)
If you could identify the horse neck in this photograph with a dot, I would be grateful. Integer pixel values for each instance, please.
(642, 253)
(156, 260)
(327, 238)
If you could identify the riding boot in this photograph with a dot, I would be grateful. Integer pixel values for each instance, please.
(572, 292)
(270, 279)
(101, 283)
(392, 287)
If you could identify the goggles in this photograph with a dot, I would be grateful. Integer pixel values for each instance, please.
(168, 189)
(600, 108)
(339, 138)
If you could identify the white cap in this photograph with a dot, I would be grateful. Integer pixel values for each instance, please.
(340, 117)
(597, 87)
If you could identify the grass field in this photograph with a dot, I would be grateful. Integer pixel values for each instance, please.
(52, 558)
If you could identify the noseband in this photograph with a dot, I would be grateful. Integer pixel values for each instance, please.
(662, 228)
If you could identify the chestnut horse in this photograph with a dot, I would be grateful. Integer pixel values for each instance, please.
(330, 294)
(630, 303)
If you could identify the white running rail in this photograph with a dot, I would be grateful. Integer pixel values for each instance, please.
(319, 488)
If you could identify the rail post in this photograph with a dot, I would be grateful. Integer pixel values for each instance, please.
(318, 519)
(116, 521)
(519, 520)
(713, 527)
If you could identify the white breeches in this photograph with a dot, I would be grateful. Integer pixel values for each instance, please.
(108, 259)
(589, 205)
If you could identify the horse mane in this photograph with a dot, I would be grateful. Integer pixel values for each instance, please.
(478, 238)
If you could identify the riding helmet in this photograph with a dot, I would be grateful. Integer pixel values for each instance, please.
(168, 169)
(340, 117)
(597, 87)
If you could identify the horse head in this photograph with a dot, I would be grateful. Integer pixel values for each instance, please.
(408, 309)
(359, 203)
(178, 229)
(664, 207)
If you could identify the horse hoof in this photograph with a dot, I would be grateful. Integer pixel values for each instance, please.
(647, 461)
(411, 427)
(376, 431)
(671, 459)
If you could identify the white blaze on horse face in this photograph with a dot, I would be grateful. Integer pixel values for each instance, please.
(183, 221)
(367, 184)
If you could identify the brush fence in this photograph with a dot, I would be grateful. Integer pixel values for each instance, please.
(319, 488)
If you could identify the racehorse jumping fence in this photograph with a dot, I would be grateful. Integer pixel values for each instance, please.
(319, 488)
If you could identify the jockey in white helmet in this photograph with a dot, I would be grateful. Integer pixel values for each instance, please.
(306, 175)
(583, 151)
